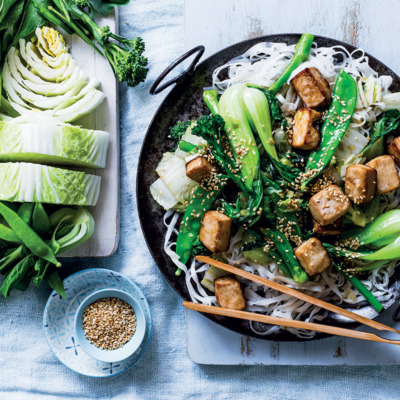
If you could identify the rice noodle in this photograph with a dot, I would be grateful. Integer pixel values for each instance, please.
(262, 65)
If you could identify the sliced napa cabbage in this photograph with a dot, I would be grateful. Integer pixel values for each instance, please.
(392, 100)
(162, 195)
(346, 154)
(37, 137)
(172, 171)
(370, 90)
(25, 182)
(43, 75)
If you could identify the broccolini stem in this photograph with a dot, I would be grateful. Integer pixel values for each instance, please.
(210, 97)
(303, 48)
(361, 288)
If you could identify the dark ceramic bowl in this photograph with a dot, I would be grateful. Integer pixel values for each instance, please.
(185, 102)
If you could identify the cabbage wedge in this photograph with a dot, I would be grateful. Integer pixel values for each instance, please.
(25, 182)
(43, 75)
(39, 138)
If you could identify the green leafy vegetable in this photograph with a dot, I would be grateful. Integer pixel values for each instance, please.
(38, 137)
(178, 130)
(35, 182)
(125, 57)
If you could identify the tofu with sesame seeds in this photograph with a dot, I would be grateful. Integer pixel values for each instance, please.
(305, 135)
(360, 183)
(215, 231)
(394, 150)
(387, 175)
(198, 169)
(333, 229)
(313, 89)
(329, 205)
(313, 256)
(229, 293)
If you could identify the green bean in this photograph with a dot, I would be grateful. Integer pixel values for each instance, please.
(28, 236)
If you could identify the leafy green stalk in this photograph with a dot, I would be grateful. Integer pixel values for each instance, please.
(210, 97)
(361, 288)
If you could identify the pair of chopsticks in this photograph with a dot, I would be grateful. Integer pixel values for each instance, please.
(332, 330)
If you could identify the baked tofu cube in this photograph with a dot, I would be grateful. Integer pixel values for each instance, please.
(360, 183)
(215, 231)
(229, 293)
(329, 205)
(305, 135)
(329, 230)
(313, 256)
(312, 88)
(198, 169)
(387, 175)
(394, 150)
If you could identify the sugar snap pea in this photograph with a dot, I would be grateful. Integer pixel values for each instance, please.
(25, 212)
(40, 220)
(201, 201)
(334, 127)
(54, 281)
(16, 275)
(7, 235)
(28, 236)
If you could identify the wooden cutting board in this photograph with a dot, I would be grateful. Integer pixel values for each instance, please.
(104, 241)
(369, 24)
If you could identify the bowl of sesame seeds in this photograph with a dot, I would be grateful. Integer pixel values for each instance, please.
(110, 325)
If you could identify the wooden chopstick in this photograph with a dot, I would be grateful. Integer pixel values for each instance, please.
(332, 330)
(296, 293)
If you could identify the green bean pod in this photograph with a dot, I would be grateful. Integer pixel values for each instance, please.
(334, 127)
(201, 202)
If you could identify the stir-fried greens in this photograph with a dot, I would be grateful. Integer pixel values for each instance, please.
(283, 185)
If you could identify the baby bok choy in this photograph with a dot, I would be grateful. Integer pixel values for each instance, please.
(380, 240)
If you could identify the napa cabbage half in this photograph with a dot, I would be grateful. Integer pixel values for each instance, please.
(37, 137)
(26, 182)
(43, 75)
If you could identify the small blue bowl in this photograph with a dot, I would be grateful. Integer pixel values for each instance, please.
(128, 348)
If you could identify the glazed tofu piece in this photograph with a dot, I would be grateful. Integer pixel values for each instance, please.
(360, 183)
(394, 150)
(329, 230)
(215, 231)
(387, 175)
(313, 256)
(305, 135)
(198, 169)
(312, 88)
(329, 205)
(229, 293)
